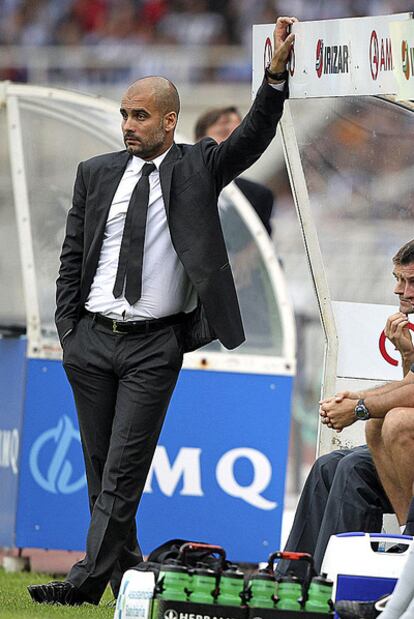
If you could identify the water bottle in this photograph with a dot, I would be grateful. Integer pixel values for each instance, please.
(319, 595)
(231, 587)
(261, 590)
(289, 593)
(173, 583)
(203, 585)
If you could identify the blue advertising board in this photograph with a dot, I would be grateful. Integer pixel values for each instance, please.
(53, 503)
(218, 473)
(12, 381)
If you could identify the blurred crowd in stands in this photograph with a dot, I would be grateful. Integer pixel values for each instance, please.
(179, 22)
(84, 42)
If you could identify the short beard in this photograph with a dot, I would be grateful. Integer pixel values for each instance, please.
(155, 147)
(145, 152)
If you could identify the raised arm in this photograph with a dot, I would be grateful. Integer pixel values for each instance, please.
(248, 141)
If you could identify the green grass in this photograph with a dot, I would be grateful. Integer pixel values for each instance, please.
(15, 602)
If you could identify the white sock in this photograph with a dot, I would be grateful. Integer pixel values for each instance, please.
(402, 527)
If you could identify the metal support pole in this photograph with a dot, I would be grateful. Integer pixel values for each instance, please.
(314, 257)
(22, 208)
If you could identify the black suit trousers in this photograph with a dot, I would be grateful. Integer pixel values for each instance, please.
(122, 385)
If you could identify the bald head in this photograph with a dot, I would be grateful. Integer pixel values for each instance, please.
(162, 90)
(149, 110)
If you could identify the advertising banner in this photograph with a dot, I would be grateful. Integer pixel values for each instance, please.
(218, 473)
(13, 366)
(52, 509)
(364, 352)
(402, 37)
(338, 57)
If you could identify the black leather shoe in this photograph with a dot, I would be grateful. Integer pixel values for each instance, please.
(56, 592)
(348, 609)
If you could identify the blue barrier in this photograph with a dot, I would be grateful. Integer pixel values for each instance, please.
(218, 473)
(12, 380)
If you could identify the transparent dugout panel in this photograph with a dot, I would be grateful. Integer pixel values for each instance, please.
(56, 137)
(358, 163)
(12, 308)
(258, 304)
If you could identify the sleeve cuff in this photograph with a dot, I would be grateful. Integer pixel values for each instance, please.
(279, 87)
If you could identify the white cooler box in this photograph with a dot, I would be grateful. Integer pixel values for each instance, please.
(360, 571)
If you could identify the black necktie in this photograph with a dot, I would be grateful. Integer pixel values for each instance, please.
(132, 246)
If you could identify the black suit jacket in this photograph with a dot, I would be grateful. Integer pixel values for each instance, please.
(192, 177)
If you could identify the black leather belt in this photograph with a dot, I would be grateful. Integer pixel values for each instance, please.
(136, 326)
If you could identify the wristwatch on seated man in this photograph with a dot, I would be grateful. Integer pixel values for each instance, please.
(361, 412)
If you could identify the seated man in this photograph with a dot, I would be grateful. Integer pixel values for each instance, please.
(344, 490)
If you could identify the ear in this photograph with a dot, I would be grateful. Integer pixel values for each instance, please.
(170, 121)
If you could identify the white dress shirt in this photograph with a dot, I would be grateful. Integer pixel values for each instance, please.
(166, 288)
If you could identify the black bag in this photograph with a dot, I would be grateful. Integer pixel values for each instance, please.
(170, 552)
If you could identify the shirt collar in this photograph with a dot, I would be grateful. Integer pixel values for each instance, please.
(136, 163)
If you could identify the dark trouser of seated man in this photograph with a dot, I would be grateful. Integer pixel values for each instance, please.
(342, 493)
